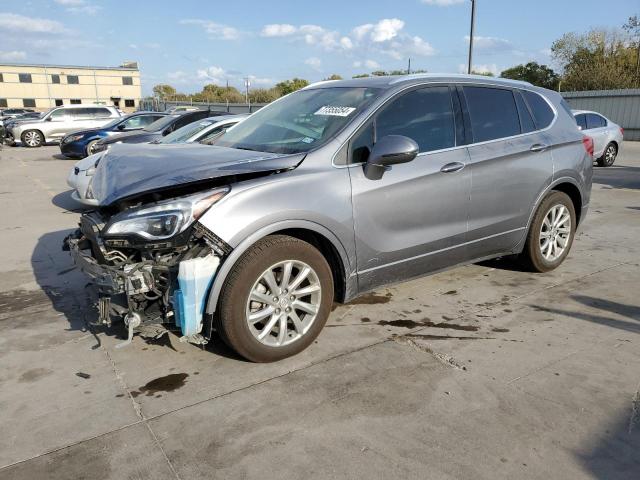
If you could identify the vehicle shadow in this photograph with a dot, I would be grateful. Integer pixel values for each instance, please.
(72, 296)
(615, 454)
(59, 156)
(511, 263)
(64, 201)
(617, 177)
(632, 312)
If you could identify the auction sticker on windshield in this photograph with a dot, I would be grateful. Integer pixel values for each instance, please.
(334, 111)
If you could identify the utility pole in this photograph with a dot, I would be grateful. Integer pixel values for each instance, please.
(473, 21)
(409, 67)
(247, 83)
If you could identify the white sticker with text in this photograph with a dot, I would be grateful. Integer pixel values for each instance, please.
(335, 111)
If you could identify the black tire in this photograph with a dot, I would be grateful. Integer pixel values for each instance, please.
(231, 322)
(9, 140)
(90, 146)
(38, 139)
(532, 253)
(608, 158)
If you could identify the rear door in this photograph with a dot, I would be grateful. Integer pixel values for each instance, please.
(597, 129)
(511, 164)
(414, 219)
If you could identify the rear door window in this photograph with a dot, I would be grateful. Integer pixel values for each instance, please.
(542, 112)
(595, 121)
(526, 120)
(493, 113)
(424, 115)
(581, 120)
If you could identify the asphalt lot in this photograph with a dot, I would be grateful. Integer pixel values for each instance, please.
(481, 372)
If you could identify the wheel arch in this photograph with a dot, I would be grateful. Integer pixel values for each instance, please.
(319, 236)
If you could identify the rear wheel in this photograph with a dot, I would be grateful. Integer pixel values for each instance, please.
(551, 233)
(32, 139)
(609, 156)
(275, 300)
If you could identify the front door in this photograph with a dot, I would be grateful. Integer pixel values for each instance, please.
(414, 219)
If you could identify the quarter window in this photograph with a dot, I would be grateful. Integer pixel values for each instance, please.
(493, 113)
(424, 115)
(28, 102)
(127, 80)
(72, 79)
(55, 78)
(595, 121)
(542, 112)
(24, 77)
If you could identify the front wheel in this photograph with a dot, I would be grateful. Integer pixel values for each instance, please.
(275, 300)
(91, 147)
(551, 233)
(609, 156)
(32, 139)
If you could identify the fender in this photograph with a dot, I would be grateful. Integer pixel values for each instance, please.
(554, 183)
(243, 246)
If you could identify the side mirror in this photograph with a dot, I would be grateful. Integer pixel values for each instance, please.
(387, 151)
(48, 119)
(121, 127)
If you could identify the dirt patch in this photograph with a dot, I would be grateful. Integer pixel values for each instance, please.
(34, 375)
(406, 323)
(168, 383)
(500, 330)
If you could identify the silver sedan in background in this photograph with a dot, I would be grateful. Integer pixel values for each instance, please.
(606, 135)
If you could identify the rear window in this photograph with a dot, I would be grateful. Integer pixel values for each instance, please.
(541, 110)
(581, 120)
(493, 113)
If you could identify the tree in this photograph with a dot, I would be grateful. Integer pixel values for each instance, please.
(263, 95)
(632, 27)
(484, 73)
(597, 60)
(335, 76)
(360, 75)
(163, 91)
(292, 85)
(532, 72)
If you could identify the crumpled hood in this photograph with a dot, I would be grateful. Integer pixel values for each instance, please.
(128, 170)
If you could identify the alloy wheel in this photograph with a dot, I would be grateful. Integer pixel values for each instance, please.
(283, 303)
(610, 155)
(32, 139)
(555, 232)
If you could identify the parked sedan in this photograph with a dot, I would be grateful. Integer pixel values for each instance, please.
(202, 131)
(607, 136)
(81, 143)
(157, 129)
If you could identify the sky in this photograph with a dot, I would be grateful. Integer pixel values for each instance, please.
(189, 43)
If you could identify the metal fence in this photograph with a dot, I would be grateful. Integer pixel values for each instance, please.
(155, 105)
(620, 106)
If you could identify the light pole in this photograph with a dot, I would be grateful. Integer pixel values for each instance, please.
(473, 21)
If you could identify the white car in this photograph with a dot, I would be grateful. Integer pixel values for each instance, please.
(606, 135)
(204, 131)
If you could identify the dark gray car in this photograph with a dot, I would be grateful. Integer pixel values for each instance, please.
(329, 192)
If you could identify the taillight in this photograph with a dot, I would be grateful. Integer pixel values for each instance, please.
(621, 131)
(588, 145)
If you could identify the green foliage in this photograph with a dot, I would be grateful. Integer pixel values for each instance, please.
(360, 75)
(532, 72)
(292, 85)
(484, 74)
(163, 91)
(599, 59)
(335, 76)
(263, 95)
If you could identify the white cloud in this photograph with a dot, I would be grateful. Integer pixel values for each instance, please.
(314, 62)
(12, 56)
(213, 74)
(384, 30)
(79, 6)
(215, 30)
(67, 3)
(19, 23)
(444, 3)
(481, 68)
(370, 64)
(490, 44)
(278, 30)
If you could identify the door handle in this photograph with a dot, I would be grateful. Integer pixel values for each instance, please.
(452, 167)
(539, 147)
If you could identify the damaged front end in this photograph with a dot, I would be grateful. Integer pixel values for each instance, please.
(152, 264)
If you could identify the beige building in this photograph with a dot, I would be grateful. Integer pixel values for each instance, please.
(41, 87)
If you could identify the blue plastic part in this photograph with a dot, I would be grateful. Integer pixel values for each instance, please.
(194, 279)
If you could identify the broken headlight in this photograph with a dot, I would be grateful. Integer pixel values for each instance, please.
(163, 219)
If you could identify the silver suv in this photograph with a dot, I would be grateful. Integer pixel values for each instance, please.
(327, 193)
(60, 121)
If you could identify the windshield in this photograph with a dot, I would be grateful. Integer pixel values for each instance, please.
(300, 121)
(184, 133)
(160, 124)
